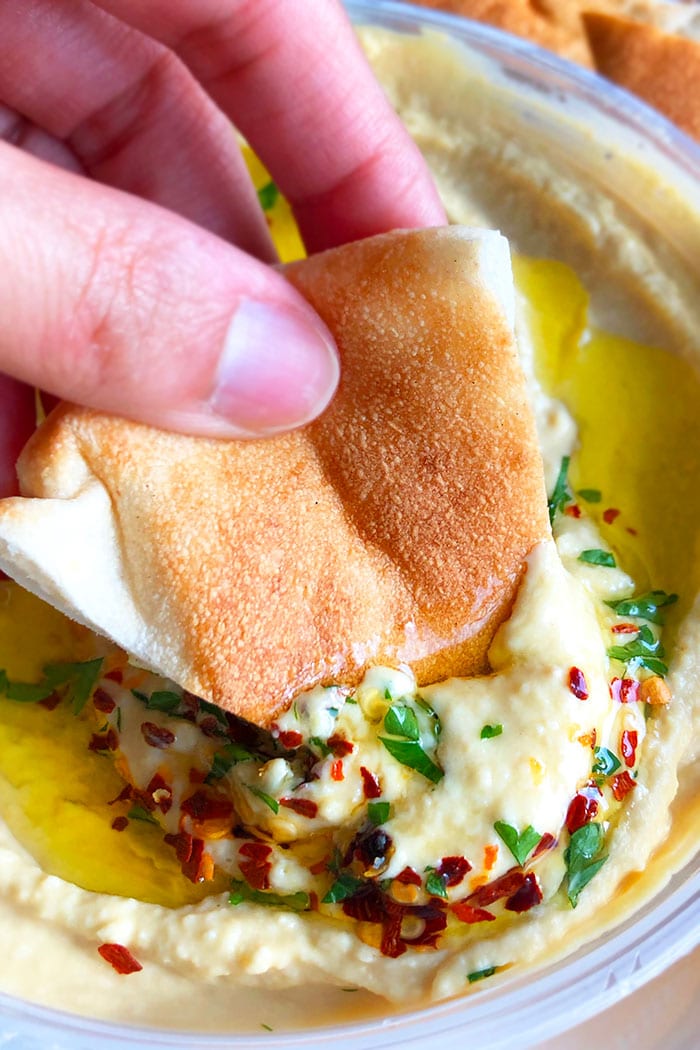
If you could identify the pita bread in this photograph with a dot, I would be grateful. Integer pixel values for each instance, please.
(661, 68)
(394, 529)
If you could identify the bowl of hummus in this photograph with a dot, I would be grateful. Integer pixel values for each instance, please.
(495, 857)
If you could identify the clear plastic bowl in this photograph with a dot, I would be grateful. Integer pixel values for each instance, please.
(523, 1010)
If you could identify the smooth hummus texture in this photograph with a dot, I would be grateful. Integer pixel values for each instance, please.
(561, 731)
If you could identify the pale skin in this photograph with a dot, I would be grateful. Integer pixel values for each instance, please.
(135, 257)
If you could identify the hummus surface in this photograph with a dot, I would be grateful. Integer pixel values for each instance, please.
(514, 749)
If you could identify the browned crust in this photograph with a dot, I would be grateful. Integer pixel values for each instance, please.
(661, 68)
(414, 500)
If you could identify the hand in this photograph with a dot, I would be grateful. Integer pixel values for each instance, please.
(134, 253)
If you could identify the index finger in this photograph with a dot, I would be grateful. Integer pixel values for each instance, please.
(296, 84)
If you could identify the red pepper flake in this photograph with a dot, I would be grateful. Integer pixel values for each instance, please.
(453, 869)
(313, 901)
(581, 811)
(197, 776)
(125, 795)
(490, 856)
(466, 913)
(108, 741)
(622, 784)
(51, 702)
(409, 877)
(255, 865)
(120, 958)
(160, 793)
(503, 886)
(119, 823)
(337, 770)
(303, 806)
(610, 514)
(198, 866)
(210, 726)
(625, 628)
(547, 842)
(526, 896)
(628, 746)
(204, 806)
(632, 532)
(588, 739)
(573, 510)
(577, 683)
(116, 675)
(290, 739)
(624, 690)
(320, 866)
(103, 701)
(157, 736)
(340, 746)
(182, 844)
(370, 783)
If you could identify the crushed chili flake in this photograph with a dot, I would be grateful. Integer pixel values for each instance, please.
(573, 510)
(51, 702)
(628, 746)
(320, 866)
(609, 515)
(210, 725)
(182, 844)
(547, 842)
(160, 792)
(622, 784)
(453, 869)
(504, 886)
(254, 862)
(632, 532)
(370, 904)
(577, 683)
(526, 896)
(337, 770)
(490, 856)
(108, 741)
(290, 739)
(313, 901)
(197, 776)
(588, 739)
(370, 783)
(204, 806)
(409, 877)
(125, 795)
(116, 675)
(624, 690)
(303, 806)
(120, 958)
(340, 746)
(119, 823)
(581, 811)
(103, 701)
(625, 628)
(157, 736)
(466, 913)
(199, 866)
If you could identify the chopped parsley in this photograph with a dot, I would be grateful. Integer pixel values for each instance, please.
(645, 606)
(590, 495)
(378, 812)
(320, 745)
(479, 975)
(606, 763)
(269, 801)
(561, 494)
(79, 680)
(162, 700)
(644, 651)
(241, 891)
(596, 556)
(435, 884)
(584, 858)
(141, 813)
(345, 886)
(267, 195)
(488, 732)
(226, 759)
(400, 721)
(520, 844)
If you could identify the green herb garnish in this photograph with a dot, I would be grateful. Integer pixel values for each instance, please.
(584, 858)
(644, 651)
(401, 721)
(561, 494)
(606, 762)
(378, 812)
(269, 801)
(345, 886)
(226, 759)
(596, 556)
(267, 195)
(410, 753)
(488, 732)
(320, 745)
(479, 975)
(520, 844)
(590, 495)
(78, 678)
(163, 700)
(435, 884)
(141, 813)
(241, 891)
(645, 606)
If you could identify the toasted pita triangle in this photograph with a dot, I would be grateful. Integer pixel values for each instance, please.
(394, 529)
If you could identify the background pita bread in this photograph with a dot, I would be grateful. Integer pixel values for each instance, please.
(395, 528)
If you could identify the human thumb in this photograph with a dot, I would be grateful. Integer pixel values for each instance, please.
(115, 303)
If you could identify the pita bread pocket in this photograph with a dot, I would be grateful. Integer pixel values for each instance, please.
(661, 68)
(393, 529)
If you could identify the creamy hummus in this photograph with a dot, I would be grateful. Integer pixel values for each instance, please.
(467, 784)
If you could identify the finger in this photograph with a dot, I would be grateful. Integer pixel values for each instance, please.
(18, 131)
(300, 90)
(118, 304)
(130, 112)
(17, 419)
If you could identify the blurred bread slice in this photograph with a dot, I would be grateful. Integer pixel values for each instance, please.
(394, 529)
(661, 68)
